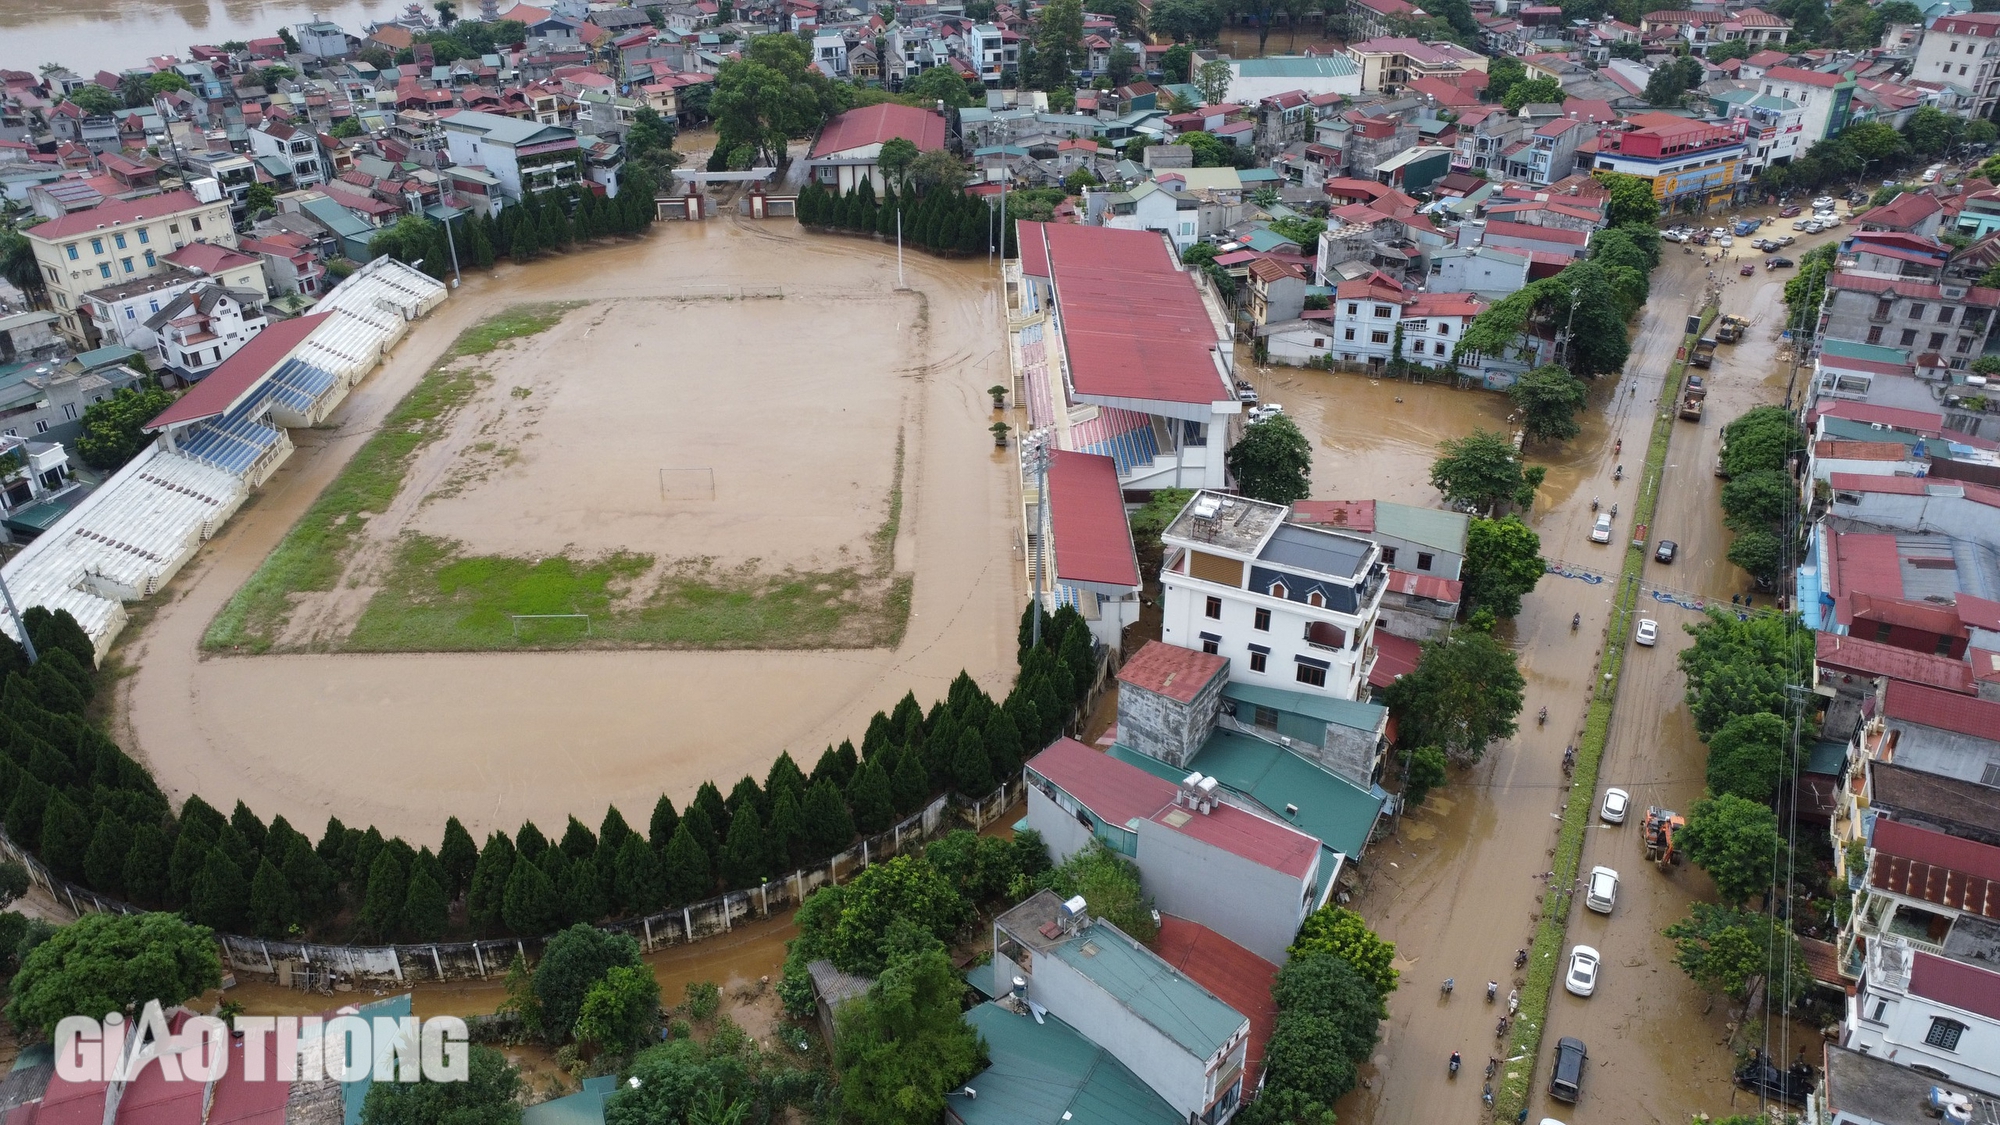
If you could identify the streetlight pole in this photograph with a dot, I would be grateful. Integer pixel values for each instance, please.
(1035, 454)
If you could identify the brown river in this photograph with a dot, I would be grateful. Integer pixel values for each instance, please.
(92, 35)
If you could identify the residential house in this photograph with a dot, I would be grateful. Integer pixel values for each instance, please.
(1862, 1089)
(1373, 311)
(1913, 212)
(522, 155)
(1277, 291)
(1679, 157)
(203, 326)
(1388, 64)
(1041, 1069)
(1424, 549)
(849, 148)
(1253, 80)
(1246, 876)
(1176, 1036)
(1959, 49)
(1825, 100)
(1487, 272)
(1948, 318)
(120, 241)
(1938, 1011)
(1774, 127)
(291, 262)
(1372, 19)
(290, 155)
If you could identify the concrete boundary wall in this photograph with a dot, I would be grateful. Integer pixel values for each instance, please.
(307, 964)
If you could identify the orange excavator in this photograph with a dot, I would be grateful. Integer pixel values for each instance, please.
(1658, 835)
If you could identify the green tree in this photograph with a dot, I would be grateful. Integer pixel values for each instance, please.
(1328, 1023)
(348, 128)
(459, 857)
(686, 865)
(1720, 53)
(1185, 21)
(1631, 199)
(1762, 498)
(94, 100)
(660, 829)
(939, 84)
(1482, 471)
(273, 907)
(487, 1098)
(114, 430)
(1177, 64)
(1728, 950)
(769, 95)
(66, 833)
(1212, 79)
(382, 906)
(1501, 75)
(1740, 667)
(1532, 91)
(871, 798)
(144, 876)
(1272, 461)
(112, 963)
(485, 896)
(905, 889)
(572, 963)
(1549, 398)
(899, 1049)
(1059, 43)
(898, 153)
(1748, 757)
(1343, 933)
(104, 859)
(1759, 553)
(425, 911)
(1503, 563)
(1110, 884)
(18, 266)
(621, 1011)
(530, 905)
(1425, 772)
(1760, 440)
(1736, 842)
(746, 856)
(220, 895)
(827, 826)
(1464, 693)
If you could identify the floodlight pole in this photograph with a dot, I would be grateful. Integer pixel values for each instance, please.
(1035, 447)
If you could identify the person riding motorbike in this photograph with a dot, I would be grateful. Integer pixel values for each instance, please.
(1575, 622)
(1454, 1064)
(1492, 990)
(1543, 717)
(1618, 473)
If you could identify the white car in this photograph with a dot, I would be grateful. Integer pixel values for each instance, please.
(1823, 203)
(1719, 232)
(1581, 979)
(1725, 240)
(1600, 893)
(1617, 803)
(1801, 224)
(1600, 532)
(1649, 631)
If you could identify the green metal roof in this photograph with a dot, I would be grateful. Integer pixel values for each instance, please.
(1828, 757)
(1297, 66)
(1332, 809)
(1847, 429)
(1151, 989)
(105, 357)
(1874, 353)
(1346, 712)
(35, 518)
(1045, 1072)
(1428, 526)
(1265, 241)
(1258, 175)
(585, 1107)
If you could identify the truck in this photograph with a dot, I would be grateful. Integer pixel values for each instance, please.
(1691, 408)
(1704, 352)
(1731, 329)
(1697, 387)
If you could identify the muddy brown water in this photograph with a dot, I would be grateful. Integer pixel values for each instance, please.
(92, 35)
(402, 741)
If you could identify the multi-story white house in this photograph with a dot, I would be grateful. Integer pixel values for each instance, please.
(993, 52)
(1367, 311)
(1288, 605)
(1938, 1013)
(204, 326)
(1961, 50)
(295, 150)
(121, 241)
(522, 155)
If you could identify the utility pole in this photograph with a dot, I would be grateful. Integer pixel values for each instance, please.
(900, 284)
(1035, 455)
(22, 630)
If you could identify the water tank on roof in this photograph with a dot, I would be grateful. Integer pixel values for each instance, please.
(206, 190)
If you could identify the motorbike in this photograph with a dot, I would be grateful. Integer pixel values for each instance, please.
(1492, 1065)
(1454, 1064)
(1618, 446)
(1492, 991)
(1542, 718)
(1575, 622)
(1618, 473)
(1520, 957)
(1513, 1001)
(1593, 503)
(1614, 511)
(1445, 988)
(1500, 1029)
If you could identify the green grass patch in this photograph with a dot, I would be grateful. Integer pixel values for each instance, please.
(313, 554)
(1524, 1044)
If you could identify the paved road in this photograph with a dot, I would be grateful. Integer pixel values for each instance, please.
(1459, 885)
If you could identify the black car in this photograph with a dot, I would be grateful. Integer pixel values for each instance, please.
(1668, 548)
(1566, 1081)
(1790, 1085)
(1780, 263)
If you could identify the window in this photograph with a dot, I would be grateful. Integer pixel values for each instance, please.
(131, 313)
(1909, 336)
(154, 304)
(1875, 334)
(72, 251)
(1379, 337)
(1964, 344)
(195, 223)
(41, 427)
(126, 263)
(1214, 609)
(1311, 676)
(69, 411)
(1262, 622)
(1444, 329)
(145, 236)
(1349, 336)
(150, 261)
(104, 269)
(1316, 599)
(1937, 340)
(1916, 312)
(118, 240)
(1944, 1034)
(1278, 590)
(1353, 309)
(1389, 556)
(1382, 312)
(1944, 314)
(1209, 645)
(1882, 631)
(1420, 347)
(173, 228)
(97, 246)
(1258, 661)
(1944, 645)
(1424, 560)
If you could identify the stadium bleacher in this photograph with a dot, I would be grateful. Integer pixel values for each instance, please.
(1125, 436)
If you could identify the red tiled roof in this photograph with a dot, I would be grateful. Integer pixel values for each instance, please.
(1133, 324)
(1978, 612)
(240, 373)
(1803, 77)
(1947, 870)
(1238, 977)
(1177, 673)
(1907, 209)
(1862, 450)
(1957, 984)
(1425, 585)
(1969, 23)
(872, 125)
(1929, 707)
(1937, 619)
(1087, 510)
(208, 258)
(1923, 422)
(1535, 234)
(1394, 656)
(1823, 960)
(114, 212)
(1353, 515)
(1872, 658)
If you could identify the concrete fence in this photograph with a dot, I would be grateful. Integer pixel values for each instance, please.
(315, 966)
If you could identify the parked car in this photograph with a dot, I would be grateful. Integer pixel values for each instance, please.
(1725, 241)
(1581, 976)
(1600, 892)
(1665, 552)
(1718, 232)
(1788, 210)
(1779, 264)
(1823, 203)
(1649, 632)
(1801, 224)
(1600, 532)
(1784, 240)
(1749, 269)
(1769, 248)
(1566, 1080)
(1616, 804)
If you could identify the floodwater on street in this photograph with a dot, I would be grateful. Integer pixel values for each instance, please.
(92, 35)
(403, 741)
(1458, 886)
